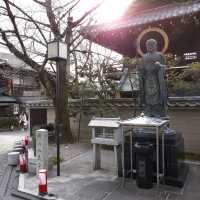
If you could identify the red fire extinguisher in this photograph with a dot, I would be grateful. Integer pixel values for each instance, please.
(42, 177)
(22, 163)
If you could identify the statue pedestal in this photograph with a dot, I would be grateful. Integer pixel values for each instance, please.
(175, 170)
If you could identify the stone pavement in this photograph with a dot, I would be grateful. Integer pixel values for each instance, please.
(69, 151)
(7, 139)
(189, 192)
(7, 174)
(78, 181)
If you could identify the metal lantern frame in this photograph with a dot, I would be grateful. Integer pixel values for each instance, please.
(56, 50)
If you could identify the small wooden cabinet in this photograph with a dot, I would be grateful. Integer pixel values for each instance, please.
(105, 131)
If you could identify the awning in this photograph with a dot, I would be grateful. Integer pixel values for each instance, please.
(7, 100)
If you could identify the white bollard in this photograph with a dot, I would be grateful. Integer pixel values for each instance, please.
(20, 150)
(42, 149)
(18, 142)
(13, 158)
(18, 146)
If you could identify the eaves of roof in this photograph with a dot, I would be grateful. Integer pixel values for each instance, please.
(169, 11)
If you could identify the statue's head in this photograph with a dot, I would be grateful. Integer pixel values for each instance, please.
(151, 45)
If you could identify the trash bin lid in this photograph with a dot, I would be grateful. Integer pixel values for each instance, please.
(143, 147)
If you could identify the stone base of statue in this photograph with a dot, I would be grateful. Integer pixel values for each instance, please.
(175, 170)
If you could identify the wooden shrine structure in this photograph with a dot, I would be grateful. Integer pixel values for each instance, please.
(175, 26)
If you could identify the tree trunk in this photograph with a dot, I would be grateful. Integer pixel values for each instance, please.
(67, 134)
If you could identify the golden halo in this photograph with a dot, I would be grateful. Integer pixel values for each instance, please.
(153, 29)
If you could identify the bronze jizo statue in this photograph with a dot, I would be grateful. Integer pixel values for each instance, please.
(153, 89)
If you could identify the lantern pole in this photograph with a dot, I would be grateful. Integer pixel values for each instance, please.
(57, 51)
(60, 65)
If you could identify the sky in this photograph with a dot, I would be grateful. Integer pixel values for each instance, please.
(110, 9)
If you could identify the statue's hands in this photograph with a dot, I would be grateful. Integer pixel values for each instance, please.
(142, 114)
(157, 63)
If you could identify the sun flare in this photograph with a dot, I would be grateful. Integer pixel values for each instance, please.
(112, 9)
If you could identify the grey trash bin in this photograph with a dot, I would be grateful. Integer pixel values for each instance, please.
(144, 165)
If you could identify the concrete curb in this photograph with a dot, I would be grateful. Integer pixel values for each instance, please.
(190, 162)
(24, 195)
(28, 195)
(20, 192)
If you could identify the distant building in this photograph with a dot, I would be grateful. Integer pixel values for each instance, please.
(22, 77)
(17, 80)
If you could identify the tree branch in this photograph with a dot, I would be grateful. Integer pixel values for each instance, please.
(63, 6)
(96, 53)
(74, 47)
(12, 18)
(77, 22)
(52, 19)
(69, 10)
(26, 19)
(19, 54)
(42, 3)
(30, 18)
(34, 39)
(4, 44)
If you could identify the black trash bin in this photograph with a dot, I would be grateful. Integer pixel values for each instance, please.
(144, 165)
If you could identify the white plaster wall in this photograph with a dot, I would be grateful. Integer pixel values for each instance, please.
(50, 115)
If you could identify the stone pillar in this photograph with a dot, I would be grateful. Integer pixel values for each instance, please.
(96, 156)
(42, 149)
(119, 160)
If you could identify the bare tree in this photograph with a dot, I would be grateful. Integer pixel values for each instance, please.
(95, 66)
(26, 34)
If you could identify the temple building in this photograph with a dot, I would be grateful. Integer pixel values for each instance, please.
(176, 29)
(175, 26)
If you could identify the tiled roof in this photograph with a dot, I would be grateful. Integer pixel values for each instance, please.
(112, 104)
(36, 102)
(14, 62)
(148, 16)
(184, 101)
